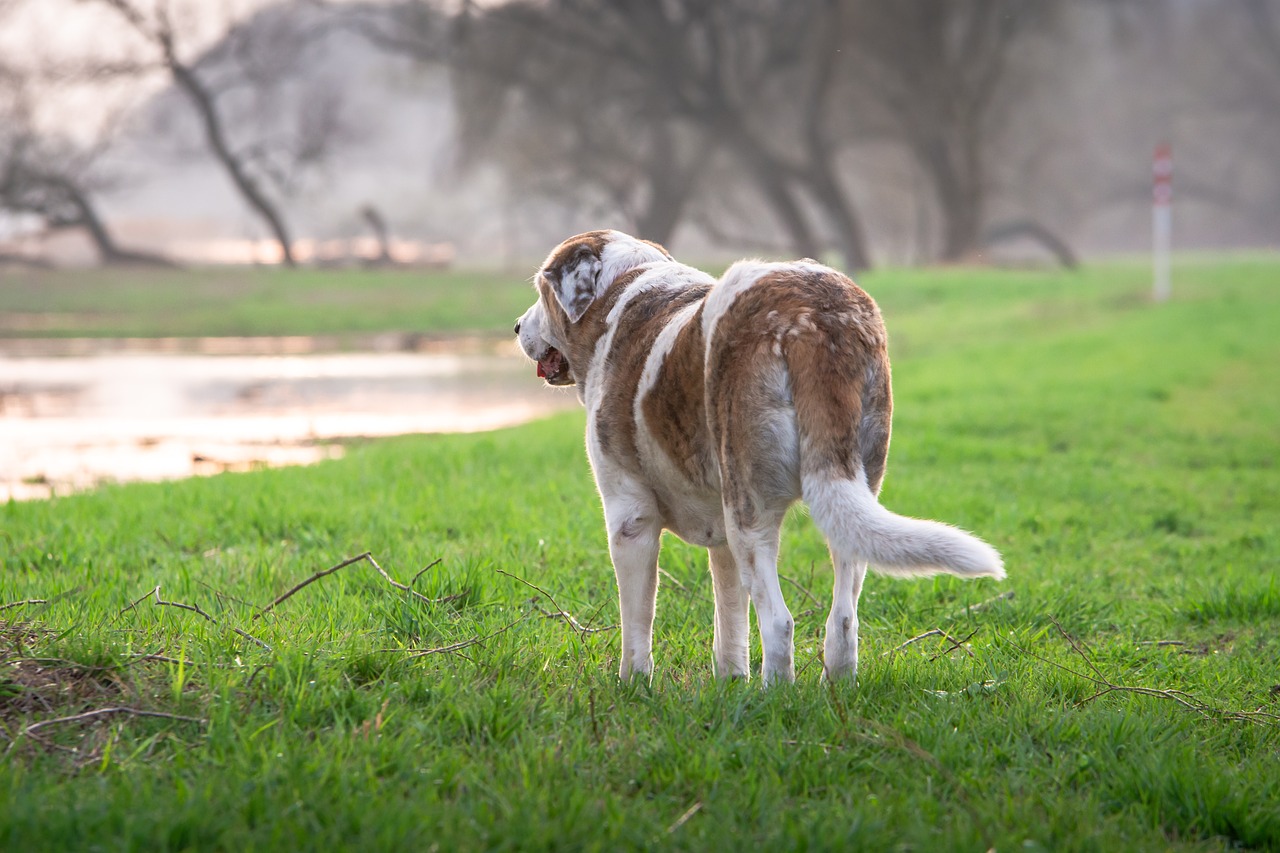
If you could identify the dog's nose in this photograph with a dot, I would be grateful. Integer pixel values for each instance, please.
(517, 328)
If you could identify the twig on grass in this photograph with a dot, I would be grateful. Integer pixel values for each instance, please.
(422, 571)
(956, 644)
(933, 632)
(573, 623)
(680, 821)
(559, 613)
(395, 583)
(136, 602)
(1180, 697)
(104, 712)
(23, 603)
(194, 608)
(809, 595)
(298, 587)
(453, 648)
(367, 557)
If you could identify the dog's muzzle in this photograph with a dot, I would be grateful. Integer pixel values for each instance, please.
(554, 368)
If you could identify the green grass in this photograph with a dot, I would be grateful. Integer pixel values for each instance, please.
(246, 301)
(1122, 455)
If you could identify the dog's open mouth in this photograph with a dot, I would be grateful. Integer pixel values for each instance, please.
(554, 368)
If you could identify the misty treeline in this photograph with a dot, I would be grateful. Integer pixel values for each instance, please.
(846, 129)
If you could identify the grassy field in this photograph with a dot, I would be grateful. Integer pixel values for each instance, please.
(245, 301)
(1126, 696)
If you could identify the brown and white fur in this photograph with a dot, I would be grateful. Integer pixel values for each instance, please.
(712, 406)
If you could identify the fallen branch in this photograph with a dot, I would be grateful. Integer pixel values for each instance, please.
(574, 623)
(816, 603)
(437, 561)
(23, 603)
(367, 556)
(934, 632)
(456, 647)
(397, 584)
(286, 596)
(956, 644)
(680, 821)
(1180, 697)
(194, 608)
(559, 611)
(104, 712)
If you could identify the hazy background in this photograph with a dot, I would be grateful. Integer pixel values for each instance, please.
(862, 131)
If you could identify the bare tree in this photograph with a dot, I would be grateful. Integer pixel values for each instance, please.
(939, 72)
(248, 167)
(53, 179)
(634, 101)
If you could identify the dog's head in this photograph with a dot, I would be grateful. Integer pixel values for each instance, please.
(574, 276)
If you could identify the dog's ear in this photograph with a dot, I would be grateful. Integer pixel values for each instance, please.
(576, 281)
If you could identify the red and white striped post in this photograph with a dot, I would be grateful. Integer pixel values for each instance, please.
(1161, 218)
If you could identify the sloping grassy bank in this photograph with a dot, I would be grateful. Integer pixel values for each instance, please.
(1122, 456)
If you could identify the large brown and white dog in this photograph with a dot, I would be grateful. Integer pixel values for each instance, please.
(712, 406)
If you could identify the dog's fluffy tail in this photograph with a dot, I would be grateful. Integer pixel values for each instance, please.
(856, 525)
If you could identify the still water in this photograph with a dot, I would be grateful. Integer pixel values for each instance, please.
(71, 421)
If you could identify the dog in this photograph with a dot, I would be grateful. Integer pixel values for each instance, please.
(712, 406)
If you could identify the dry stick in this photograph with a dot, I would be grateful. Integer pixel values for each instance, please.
(103, 712)
(809, 595)
(396, 584)
(568, 617)
(367, 556)
(194, 608)
(455, 647)
(437, 561)
(1181, 697)
(955, 644)
(23, 603)
(917, 638)
(136, 602)
(680, 821)
(308, 582)
(560, 612)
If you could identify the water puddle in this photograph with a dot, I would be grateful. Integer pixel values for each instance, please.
(155, 411)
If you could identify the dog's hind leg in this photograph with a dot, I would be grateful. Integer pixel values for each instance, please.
(755, 550)
(840, 650)
(634, 541)
(731, 645)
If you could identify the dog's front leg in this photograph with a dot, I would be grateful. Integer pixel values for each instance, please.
(634, 540)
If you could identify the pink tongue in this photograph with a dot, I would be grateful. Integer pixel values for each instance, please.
(549, 365)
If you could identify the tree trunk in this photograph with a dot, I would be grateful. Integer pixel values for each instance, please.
(109, 253)
(379, 226)
(216, 137)
(850, 237)
(959, 194)
(1036, 231)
